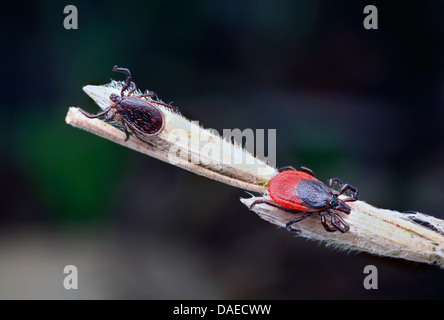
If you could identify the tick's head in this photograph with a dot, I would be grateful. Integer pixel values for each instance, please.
(333, 201)
(115, 98)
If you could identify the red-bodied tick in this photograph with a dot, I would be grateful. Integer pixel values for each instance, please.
(143, 117)
(299, 192)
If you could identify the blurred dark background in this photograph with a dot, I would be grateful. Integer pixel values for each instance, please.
(363, 105)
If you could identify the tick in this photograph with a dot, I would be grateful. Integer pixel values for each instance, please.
(142, 117)
(299, 192)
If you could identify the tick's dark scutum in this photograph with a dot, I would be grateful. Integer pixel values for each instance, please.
(141, 115)
(314, 194)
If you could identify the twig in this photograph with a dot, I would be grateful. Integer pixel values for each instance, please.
(377, 231)
(187, 145)
(183, 143)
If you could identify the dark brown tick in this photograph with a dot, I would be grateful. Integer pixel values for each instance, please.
(144, 118)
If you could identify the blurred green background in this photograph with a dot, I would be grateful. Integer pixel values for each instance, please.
(363, 105)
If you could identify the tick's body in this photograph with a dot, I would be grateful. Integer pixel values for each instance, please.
(143, 117)
(299, 192)
(140, 116)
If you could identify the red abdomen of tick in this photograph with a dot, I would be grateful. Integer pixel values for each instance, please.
(297, 189)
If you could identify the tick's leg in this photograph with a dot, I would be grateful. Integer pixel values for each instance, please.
(123, 70)
(125, 129)
(110, 115)
(149, 94)
(353, 190)
(93, 116)
(288, 226)
(127, 80)
(152, 94)
(339, 223)
(324, 222)
(274, 204)
(306, 170)
(286, 168)
(333, 181)
(166, 105)
(133, 87)
(139, 136)
(303, 169)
